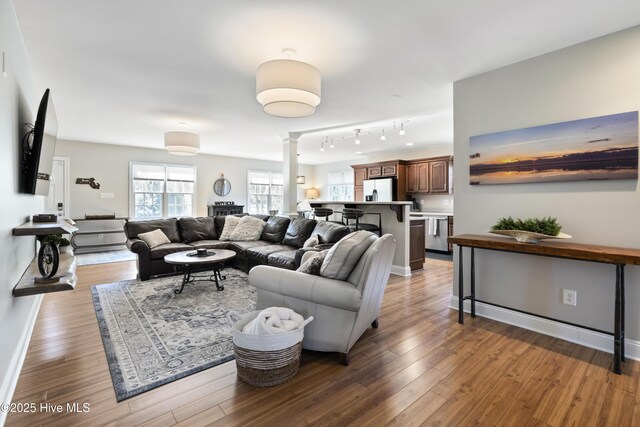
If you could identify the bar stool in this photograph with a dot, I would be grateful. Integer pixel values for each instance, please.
(356, 214)
(322, 213)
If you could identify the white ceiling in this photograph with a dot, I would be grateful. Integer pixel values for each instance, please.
(124, 72)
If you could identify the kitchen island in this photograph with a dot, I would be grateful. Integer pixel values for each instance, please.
(394, 217)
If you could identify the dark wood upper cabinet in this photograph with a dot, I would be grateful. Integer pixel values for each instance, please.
(412, 178)
(389, 169)
(374, 172)
(359, 175)
(430, 175)
(439, 176)
(423, 177)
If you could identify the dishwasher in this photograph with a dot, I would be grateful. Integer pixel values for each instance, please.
(436, 233)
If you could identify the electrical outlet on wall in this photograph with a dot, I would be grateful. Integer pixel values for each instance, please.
(107, 195)
(569, 297)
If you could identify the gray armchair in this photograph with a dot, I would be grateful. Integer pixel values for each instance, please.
(342, 310)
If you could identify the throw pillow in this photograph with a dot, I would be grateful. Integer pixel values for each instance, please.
(313, 264)
(344, 255)
(230, 223)
(249, 228)
(312, 241)
(154, 238)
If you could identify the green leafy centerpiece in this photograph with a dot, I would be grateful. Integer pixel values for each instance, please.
(529, 230)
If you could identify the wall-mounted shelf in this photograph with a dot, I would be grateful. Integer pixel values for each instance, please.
(44, 228)
(66, 277)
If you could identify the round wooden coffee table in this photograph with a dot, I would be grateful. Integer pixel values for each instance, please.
(190, 261)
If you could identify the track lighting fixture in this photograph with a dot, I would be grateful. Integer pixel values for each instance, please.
(357, 136)
(382, 137)
(401, 129)
(332, 146)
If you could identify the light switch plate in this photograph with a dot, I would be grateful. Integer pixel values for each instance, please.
(107, 195)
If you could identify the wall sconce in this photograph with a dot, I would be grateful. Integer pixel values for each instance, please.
(300, 179)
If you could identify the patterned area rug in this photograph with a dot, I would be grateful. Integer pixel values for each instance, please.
(152, 336)
(105, 257)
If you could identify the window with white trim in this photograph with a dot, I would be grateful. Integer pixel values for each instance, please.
(162, 190)
(340, 185)
(265, 191)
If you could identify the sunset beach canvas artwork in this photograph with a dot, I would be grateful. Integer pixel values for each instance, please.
(598, 148)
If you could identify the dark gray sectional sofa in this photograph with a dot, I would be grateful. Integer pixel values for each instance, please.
(280, 244)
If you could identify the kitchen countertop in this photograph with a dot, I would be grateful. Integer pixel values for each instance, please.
(430, 213)
(351, 202)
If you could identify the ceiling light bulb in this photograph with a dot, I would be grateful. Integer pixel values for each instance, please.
(401, 129)
(358, 152)
(383, 138)
(322, 148)
(409, 144)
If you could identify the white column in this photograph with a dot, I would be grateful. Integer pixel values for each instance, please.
(290, 174)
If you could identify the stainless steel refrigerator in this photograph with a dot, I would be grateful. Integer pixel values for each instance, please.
(380, 190)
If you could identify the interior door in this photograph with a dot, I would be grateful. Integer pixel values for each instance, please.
(56, 201)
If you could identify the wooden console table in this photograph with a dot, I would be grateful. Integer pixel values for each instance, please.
(556, 249)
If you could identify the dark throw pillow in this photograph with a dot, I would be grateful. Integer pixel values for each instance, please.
(313, 264)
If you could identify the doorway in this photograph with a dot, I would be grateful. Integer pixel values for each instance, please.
(57, 202)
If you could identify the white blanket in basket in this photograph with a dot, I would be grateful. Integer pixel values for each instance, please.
(274, 320)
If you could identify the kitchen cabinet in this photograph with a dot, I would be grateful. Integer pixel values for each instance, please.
(389, 169)
(374, 172)
(359, 176)
(412, 178)
(417, 178)
(416, 244)
(439, 176)
(430, 175)
(423, 177)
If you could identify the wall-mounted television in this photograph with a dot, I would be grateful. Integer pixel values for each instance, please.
(38, 148)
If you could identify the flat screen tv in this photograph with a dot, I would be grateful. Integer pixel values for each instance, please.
(38, 148)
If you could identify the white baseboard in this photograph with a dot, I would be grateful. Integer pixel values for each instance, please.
(555, 329)
(13, 373)
(401, 271)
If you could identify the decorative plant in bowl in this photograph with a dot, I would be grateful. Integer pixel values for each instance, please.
(529, 230)
(57, 239)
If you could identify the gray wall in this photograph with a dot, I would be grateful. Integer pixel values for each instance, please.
(595, 78)
(109, 165)
(18, 103)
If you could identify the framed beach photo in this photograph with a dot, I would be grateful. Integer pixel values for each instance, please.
(598, 148)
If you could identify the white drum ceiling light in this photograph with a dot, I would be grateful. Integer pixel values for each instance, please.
(288, 88)
(182, 143)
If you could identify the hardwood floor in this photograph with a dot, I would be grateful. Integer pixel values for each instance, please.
(419, 368)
